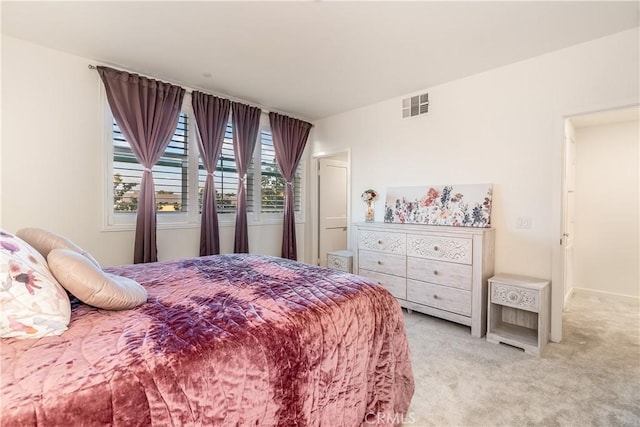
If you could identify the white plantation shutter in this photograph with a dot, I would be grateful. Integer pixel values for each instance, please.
(226, 178)
(272, 182)
(173, 176)
(170, 173)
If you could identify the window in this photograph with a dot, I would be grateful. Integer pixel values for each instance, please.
(226, 178)
(272, 183)
(170, 173)
(179, 178)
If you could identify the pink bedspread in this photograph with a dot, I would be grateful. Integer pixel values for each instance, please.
(223, 340)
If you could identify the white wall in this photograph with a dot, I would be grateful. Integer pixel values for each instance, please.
(504, 126)
(499, 127)
(52, 160)
(607, 238)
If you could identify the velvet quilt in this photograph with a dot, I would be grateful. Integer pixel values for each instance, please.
(222, 340)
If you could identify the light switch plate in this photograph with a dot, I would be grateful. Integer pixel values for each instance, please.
(523, 222)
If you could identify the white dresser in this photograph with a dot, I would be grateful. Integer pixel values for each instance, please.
(437, 270)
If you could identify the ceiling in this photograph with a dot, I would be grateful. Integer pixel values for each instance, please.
(312, 59)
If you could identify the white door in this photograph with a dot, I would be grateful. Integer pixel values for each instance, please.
(568, 226)
(332, 207)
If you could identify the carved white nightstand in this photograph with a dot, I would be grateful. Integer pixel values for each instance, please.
(340, 260)
(518, 312)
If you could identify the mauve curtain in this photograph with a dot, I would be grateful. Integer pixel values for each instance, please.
(246, 121)
(289, 138)
(147, 113)
(212, 115)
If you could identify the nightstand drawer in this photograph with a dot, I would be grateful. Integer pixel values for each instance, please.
(452, 249)
(397, 286)
(516, 297)
(442, 297)
(340, 260)
(440, 272)
(381, 241)
(382, 263)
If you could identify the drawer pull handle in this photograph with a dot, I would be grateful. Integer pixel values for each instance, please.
(435, 272)
(435, 297)
(379, 262)
(435, 248)
(380, 242)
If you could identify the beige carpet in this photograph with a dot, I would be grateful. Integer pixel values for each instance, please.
(591, 378)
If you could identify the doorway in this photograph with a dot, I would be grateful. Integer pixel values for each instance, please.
(601, 243)
(332, 204)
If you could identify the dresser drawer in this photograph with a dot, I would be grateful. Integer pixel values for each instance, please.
(440, 272)
(383, 263)
(453, 249)
(394, 284)
(395, 243)
(525, 299)
(442, 297)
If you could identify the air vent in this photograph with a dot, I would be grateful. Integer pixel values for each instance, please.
(415, 105)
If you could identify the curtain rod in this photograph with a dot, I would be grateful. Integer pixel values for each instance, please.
(189, 91)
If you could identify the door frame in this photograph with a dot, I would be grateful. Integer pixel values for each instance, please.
(569, 135)
(558, 208)
(344, 155)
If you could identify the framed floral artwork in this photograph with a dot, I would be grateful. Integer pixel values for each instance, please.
(454, 205)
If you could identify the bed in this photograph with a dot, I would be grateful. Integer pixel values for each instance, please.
(222, 340)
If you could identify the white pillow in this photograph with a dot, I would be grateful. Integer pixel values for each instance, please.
(32, 302)
(45, 241)
(93, 286)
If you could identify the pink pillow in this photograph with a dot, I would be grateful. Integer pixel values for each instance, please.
(32, 302)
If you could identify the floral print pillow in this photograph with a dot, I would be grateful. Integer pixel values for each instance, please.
(32, 302)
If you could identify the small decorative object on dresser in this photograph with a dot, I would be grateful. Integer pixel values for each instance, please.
(340, 260)
(438, 270)
(519, 312)
(369, 196)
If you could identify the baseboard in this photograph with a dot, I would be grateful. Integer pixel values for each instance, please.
(567, 297)
(602, 294)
